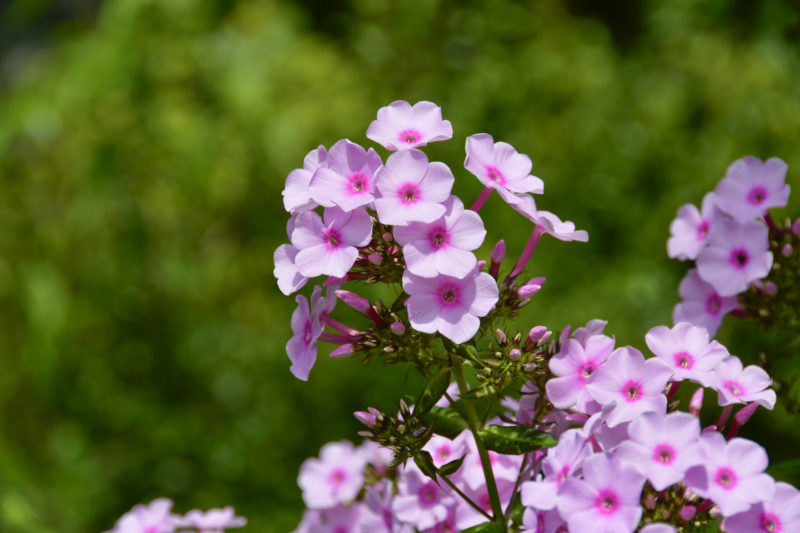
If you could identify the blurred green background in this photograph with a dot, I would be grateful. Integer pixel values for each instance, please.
(143, 148)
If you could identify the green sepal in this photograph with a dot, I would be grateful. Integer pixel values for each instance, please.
(425, 463)
(451, 467)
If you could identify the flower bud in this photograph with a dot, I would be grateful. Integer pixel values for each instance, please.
(650, 501)
(796, 227)
(368, 419)
(787, 250)
(500, 335)
(696, 403)
(536, 333)
(770, 288)
(515, 354)
(375, 259)
(530, 288)
(398, 328)
(359, 303)
(530, 367)
(344, 350)
(387, 236)
(499, 251)
(688, 512)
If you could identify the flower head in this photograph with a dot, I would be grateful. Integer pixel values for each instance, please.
(327, 246)
(573, 366)
(499, 166)
(781, 514)
(737, 384)
(701, 305)
(348, 179)
(334, 478)
(687, 350)
(690, 230)
(213, 520)
(155, 517)
(750, 187)
(401, 126)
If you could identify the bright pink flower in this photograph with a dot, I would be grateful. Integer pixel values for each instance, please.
(445, 245)
(737, 253)
(499, 166)
(735, 384)
(690, 230)
(411, 189)
(289, 278)
(400, 126)
(155, 517)
(348, 178)
(636, 385)
(606, 499)
(307, 327)
(662, 448)
(686, 349)
(750, 187)
(733, 475)
(450, 305)
(334, 478)
(781, 514)
(213, 520)
(420, 501)
(296, 196)
(701, 305)
(328, 246)
(573, 366)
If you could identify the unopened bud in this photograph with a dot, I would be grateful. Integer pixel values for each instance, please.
(375, 259)
(787, 250)
(481, 264)
(696, 403)
(359, 303)
(536, 333)
(499, 251)
(770, 288)
(530, 367)
(688, 512)
(344, 350)
(650, 502)
(530, 288)
(796, 227)
(387, 236)
(500, 335)
(515, 354)
(368, 419)
(398, 328)
(564, 335)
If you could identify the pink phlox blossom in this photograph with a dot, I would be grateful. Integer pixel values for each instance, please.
(155, 517)
(213, 520)
(737, 384)
(543, 521)
(751, 187)
(689, 231)
(335, 477)
(420, 502)
(411, 189)
(606, 499)
(584, 333)
(658, 527)
(296, 195)
(401, 126)
(338, 519)
(380, 518)
(701, 305)
(499, 166)
(548, 222)
(663, 448)
(599, 434)
(781, 514)
(562, 462)
(737, 254)
(289, 278)
(307, 327)
(445, 245)
(687, 350)
(733, 474)
(348, 178)
(327, 246)
(635, 385)
(524, 409)
(450, 305)
(460, 516)
(573, 366)
(444, 450)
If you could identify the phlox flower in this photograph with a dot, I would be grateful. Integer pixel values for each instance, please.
(690, 230)
(348, 178)
(737, 254)
(450, 305)
(499, 166)
(420, 501)
(543, 521)
(338, 519)
(155, 517)
(573, 366)
(750, 187)
(606, 499)
(686, 349)
(733, 474)
(296, 196)
(307, 327)
(548, 222)
(562, 462)
(289, 278)
(736, 384)
(444, 450)
(584, 333)
(213, 520)
(781, 514)
(445, 245)
(411, 189)
(662, 448)
(635, 385)
(378, 516)
(327, 246)
(334, 478)
(401, 126)
(701, 305)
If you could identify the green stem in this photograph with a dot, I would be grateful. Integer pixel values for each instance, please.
(473, 422)
(464, 496)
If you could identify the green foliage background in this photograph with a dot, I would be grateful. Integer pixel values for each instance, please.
(143, 149)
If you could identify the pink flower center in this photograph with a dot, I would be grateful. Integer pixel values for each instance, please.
(337, 477)
(713, 304)
(562, 475)
(734, 387)
(495, 175)
(409, 136)
(152, 529)
(358, 183)
(664, 454)
(739, 258)
(427, 494)
(684, 360)
(308, 336)
(443, 452)
(702, 230)
(632, 391)
(408, 194)
(757, 195)
(332, 238)
(438, 237)
(449, 295)
(607, 502)
(586, 370)
(771, 523)
(725, 478)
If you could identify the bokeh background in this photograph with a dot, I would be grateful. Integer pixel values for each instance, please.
(143, 148)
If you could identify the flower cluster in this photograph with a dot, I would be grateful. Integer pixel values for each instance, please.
(157, 517)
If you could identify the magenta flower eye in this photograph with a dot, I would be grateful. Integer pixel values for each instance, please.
(607, 502)
(332, 238)
(358, 183)
(632, 391)
(725, 478)
(702, 230)
(438, 237)
(734, 388)
(664, 454)
(408, 193)
(739, 258)
(757, 195)
(713, 303)
(337, 477)
(427, 494)
(587, 370)
(495, 175)
(771, 523)
(684, 360)
(409, 136)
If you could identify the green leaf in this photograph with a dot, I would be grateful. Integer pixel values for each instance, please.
(425, 463)
(433, 390)
(790, 466)
(444, 422)
(486, 527)
(514, 440)
(451, 467)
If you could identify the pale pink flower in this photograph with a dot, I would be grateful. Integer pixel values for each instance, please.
(780, 514)
(155, 517)
(213, 520)
(400, 126)
(444, 450)
(751, 187)
(296, 196)
(499, 166)
(411, 189)
(736, 384)
(328, 246)
(690, 230)
(562, 462)
(348, 178)
(573, 366)
(547, 221)
(289, 278)
(420, 501)
(687, 350)
(701, 305)
(307, 327)
(334, 478)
